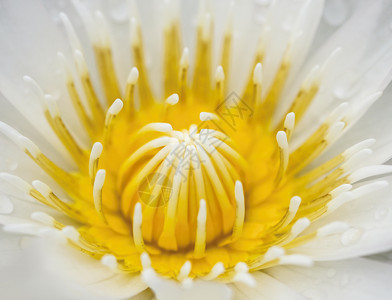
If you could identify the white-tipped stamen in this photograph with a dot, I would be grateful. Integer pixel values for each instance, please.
(133, 76)
(281, 138)
(112, 112)
(89, 91)
(129, 97)
(369, 171)
(240, 210)
(137, 228)
(63, 133)
(340, 189)
(183, 73)
(16, 182)
(172, 99)
(95, 154)
(339, 201)
(356, 160)
(52, 234)
(24, 143)
(359, 110)
(49, 198)
(80, 62)
(207, 116)
(43, 218)
(334, 132)
(272, 253)
(110, 261)
(206, 27)
(332, 228)
(97, 193)
(145, 260)
(289, 123)
(335, 53)
(312, 78)
(75, 98)
(296, 260)
(70, 31)
(200, 240)
(103, 39)
(358, 147)
(184, 271)
(257, 85)
(219, 84)
(135, 35)
(155, 127)
(184, 61)
(71, 233)
(34, 86)
(217, 270)
(65, 65)
(299, 226)
(369, 188)
(293, 208)
(337, 114)
(258, 74)
(242, 275)
(86, 17)
(219, 74)
(61, 176)
(227, 38)
(42, 188)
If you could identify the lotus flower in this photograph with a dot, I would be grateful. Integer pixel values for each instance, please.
(197, 151)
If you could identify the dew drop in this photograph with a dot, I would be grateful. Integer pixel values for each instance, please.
(344, 280)
(351, 236)
(381, 214)
(260, 19)
(331, 273)
(12, 165)
(314, 294)
(263, 2)
(118, 12)
(336, 12)
(6, 206)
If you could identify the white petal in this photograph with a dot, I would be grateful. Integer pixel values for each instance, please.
(350, 279)
(363, 52)
(94, 276)
(369, 216)
(40, 281)
(267, 287)
(166, 289)
(33, 39)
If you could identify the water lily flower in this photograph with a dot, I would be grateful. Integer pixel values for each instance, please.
(212, 150)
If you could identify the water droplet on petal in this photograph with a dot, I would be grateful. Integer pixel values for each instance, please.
(331, 273)
(118, 12)
(6, 206)
(263, 2)
(12, 165)
(344, 280)
(381, 214)
(260, 19)
(314, 294)
(351, 236)
(335, 12)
